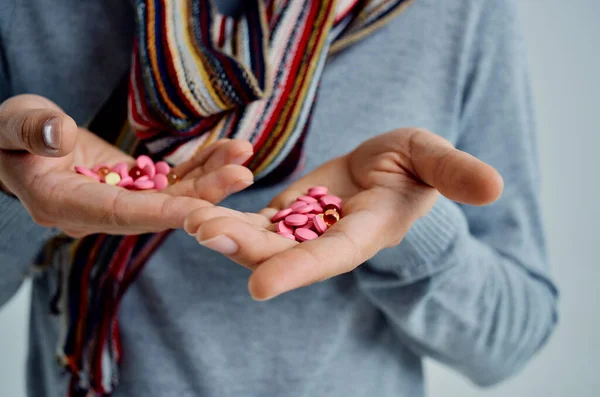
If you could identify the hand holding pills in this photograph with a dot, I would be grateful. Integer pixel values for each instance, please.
(386, 184)
(40, 146)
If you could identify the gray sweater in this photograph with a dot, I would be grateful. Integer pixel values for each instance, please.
(467, 286)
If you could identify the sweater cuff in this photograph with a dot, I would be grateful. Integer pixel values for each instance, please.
(422, 252)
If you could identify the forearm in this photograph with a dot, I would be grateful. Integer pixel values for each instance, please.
(480, 312)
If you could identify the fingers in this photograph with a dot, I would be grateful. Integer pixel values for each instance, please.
(353, 240)
(34, 124)
(220, 153)
(244, 242)
(201, 216)
(281, 265)
(214, 186)
(333, 174)
(101, 208)
(433, 160)
(454, 173)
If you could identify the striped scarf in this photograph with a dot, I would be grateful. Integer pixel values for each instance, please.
(196, 77)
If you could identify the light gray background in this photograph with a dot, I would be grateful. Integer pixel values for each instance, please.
(564, 55)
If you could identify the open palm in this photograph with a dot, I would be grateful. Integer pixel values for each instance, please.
(387, 183)
(56, 196)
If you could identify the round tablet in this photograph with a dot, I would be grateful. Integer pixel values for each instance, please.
(307, 199)
(86, 172)
(303, 234)
(143, 185)
(127, 181)
(122, 169)
(317, 208)
(112, 178)
(163, 168)
(317, 191)
(149, 170)
(283, 228)
(298, 204)
(320, 225)
(296, 220)
(143, 161)
(304, 209)
(287, 235)
(160, 181)
(135, 172)
(331, 200)
(281, 215)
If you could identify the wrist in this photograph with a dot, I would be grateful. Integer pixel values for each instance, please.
(425, 247)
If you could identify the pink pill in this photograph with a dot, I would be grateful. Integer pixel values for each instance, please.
(317, 191)
(311, 216)
(87, 172)
(317, 208)
(163, 168)
(160, 181)
(287, 235)
(330, 200)
(307, 199)
(143, 161)
(282, 228)
(304, 209)
(125, 182)
(296, 220)
(143, 178)
(303, 234)
(143, 185)
(281, 215)
(122, 169)
(149, 170)
(320, 225)
(297, 204)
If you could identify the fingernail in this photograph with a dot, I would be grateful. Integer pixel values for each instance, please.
(185, 227)
(52, 134)
(241, 158)
(222, 244)
(238, 186)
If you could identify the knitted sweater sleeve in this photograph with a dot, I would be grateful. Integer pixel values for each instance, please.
(20, 237)
(473, 288)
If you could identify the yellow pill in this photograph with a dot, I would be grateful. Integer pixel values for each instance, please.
(112, 178)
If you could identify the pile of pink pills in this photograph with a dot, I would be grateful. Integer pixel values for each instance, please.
(145, 175)
(309, 216)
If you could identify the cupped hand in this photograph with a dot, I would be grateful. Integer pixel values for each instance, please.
(40, 145)
(387, 183)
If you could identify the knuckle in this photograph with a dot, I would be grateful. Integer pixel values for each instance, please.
(114, 215)
(217, 226)
(196, 219)
(23, 129)
(166, 207)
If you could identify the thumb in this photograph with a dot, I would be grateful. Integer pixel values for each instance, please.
(433, 160)
(37, 125)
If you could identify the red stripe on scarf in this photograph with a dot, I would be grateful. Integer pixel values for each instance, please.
(264, 150)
